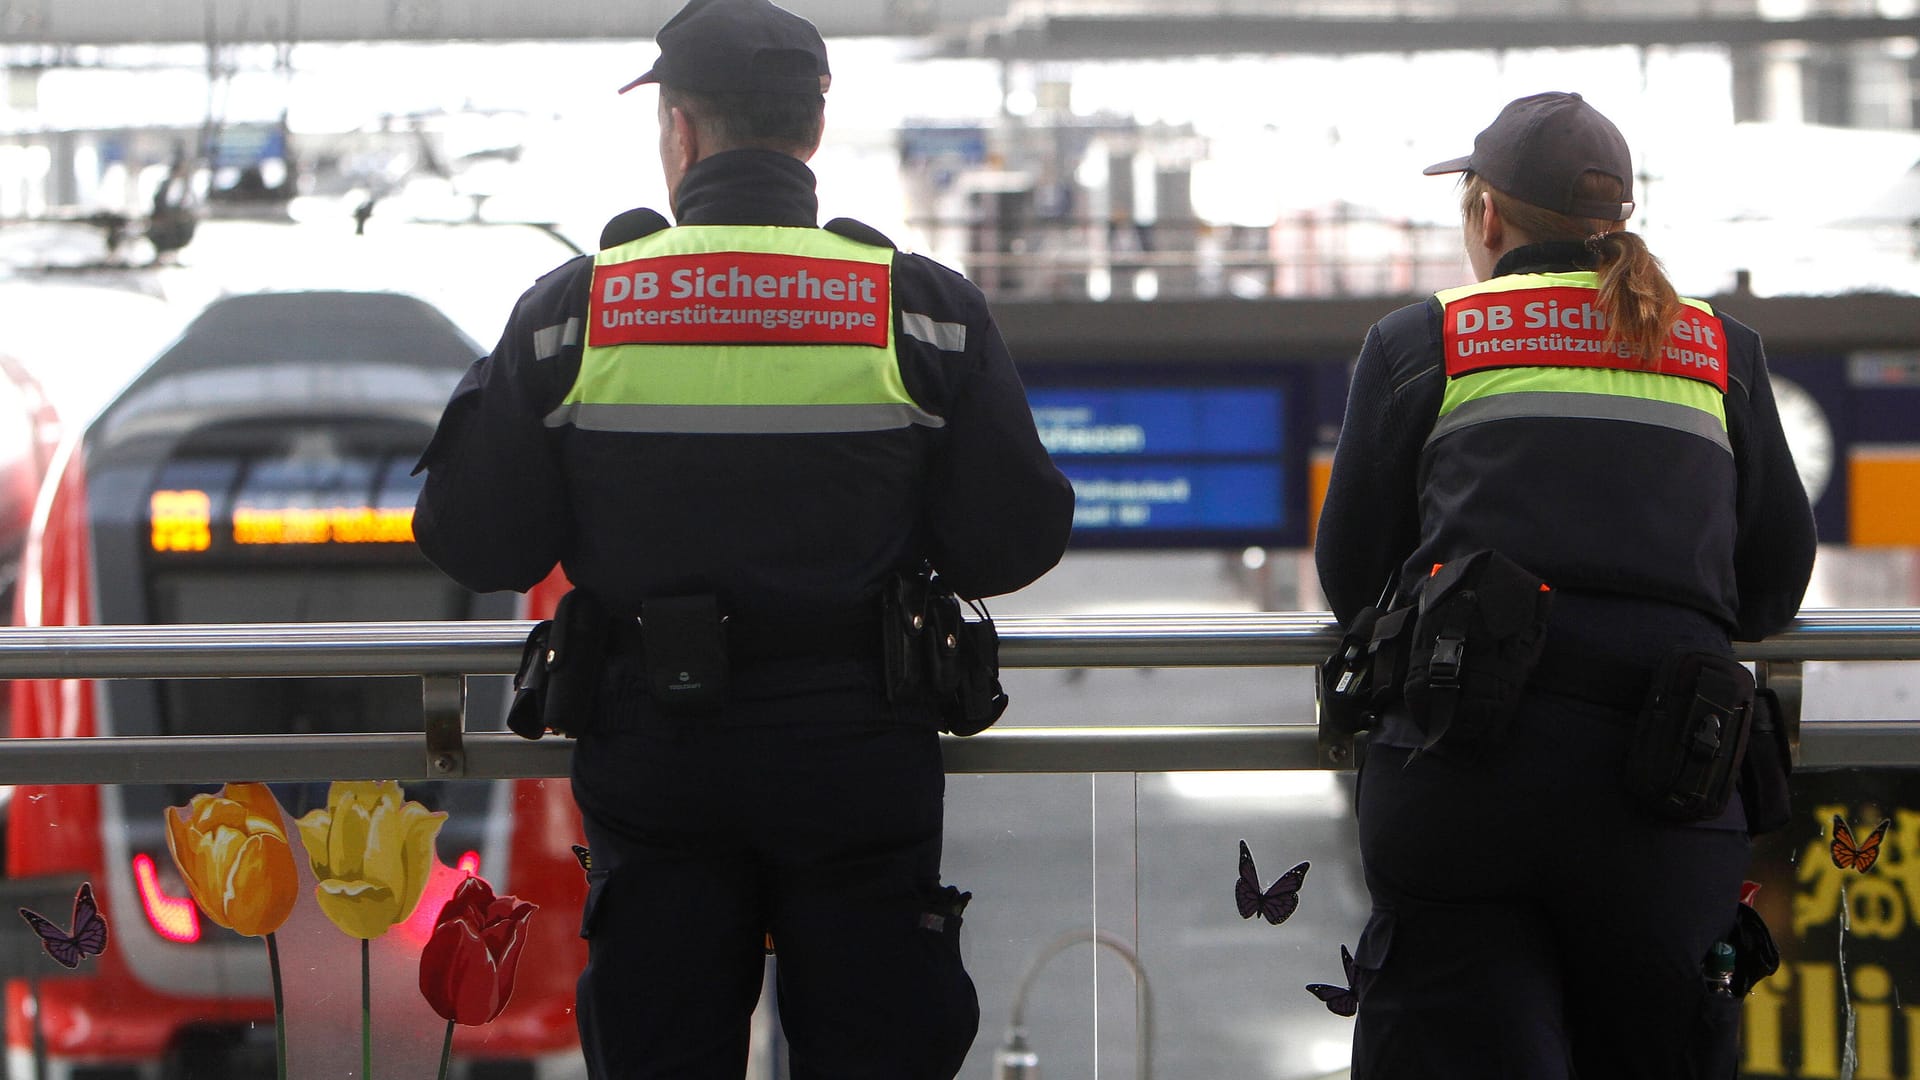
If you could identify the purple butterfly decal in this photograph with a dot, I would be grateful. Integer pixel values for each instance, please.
(1277, 901)
(88, 937)
(1341, 1000)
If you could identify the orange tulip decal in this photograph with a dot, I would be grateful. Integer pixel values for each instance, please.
(467, 968)
(233, 851)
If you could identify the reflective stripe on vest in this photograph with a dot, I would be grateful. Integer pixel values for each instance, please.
(1532, 345)
(720, 329)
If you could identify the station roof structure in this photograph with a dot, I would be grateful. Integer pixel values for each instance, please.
(1008, 29)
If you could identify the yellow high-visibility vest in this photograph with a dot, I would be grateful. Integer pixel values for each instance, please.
(1525, 345)
(731, 329)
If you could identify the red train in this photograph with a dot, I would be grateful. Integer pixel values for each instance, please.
(257, 471)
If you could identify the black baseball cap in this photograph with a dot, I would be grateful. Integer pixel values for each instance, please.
(1537, 149)
(733, 46)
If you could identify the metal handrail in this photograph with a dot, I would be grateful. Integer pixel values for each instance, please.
(443, 652)
(1261, 639)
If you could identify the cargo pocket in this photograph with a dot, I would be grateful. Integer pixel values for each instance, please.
(1370, 954)
(950, 989)
(596, 891)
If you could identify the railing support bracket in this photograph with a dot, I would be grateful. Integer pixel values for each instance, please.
(1787, 680)
(443, 704)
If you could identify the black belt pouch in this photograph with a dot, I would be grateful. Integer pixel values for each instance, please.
(1480, 629)
(557, 686)
(904, 632)
(685, 647)
(932, 653)
(963, 665)
(1765, 773)
(1691, 736)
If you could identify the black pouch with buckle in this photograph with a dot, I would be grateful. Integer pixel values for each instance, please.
(1366, 669)
(1691, 737)
(1480, 629)
(932, 652)
(557, 685)
(685, 647)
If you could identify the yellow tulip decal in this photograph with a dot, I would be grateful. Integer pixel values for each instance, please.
(233, 851)
(371, 850)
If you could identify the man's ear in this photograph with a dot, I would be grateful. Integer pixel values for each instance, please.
(684, 136)
(1492, 227)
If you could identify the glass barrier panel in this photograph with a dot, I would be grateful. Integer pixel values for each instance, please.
(1085, 888)
(1080, 881)
(164, 920)
(1022, 845)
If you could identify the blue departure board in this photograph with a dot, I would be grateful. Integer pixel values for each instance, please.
(1173, 466)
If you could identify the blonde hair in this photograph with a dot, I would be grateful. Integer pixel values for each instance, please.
(1639, 302)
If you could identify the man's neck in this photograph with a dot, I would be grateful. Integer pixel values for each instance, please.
(747, 187)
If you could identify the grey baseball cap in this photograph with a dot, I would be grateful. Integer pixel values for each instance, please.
(1537, 149)
(731, 46)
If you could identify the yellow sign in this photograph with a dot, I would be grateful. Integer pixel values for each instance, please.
(330, 525)
(1821, 1018)
(182, 520)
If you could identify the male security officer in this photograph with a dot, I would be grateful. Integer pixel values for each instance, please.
(751, 418)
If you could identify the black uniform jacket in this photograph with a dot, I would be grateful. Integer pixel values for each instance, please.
(774, 524)
(1652, 537)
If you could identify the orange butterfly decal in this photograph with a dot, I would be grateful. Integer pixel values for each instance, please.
(1848, 855)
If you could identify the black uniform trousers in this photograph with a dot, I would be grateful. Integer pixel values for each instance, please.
(815, 817)
(1529, 923)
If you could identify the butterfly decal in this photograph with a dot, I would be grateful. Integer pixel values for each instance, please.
(585, 857)
(87, 938)
(1340, 1000)
(1277, 901)
(1848, 855)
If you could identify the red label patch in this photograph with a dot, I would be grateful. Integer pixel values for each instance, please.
(740, 298)
(1561, 327)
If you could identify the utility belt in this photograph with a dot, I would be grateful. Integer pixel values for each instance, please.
(1463, 654)
(690, 654)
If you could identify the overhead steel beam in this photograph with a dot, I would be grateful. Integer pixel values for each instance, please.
(1089, 37)
(125, 22)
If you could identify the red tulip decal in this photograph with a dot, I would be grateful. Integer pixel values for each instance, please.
(466, 970)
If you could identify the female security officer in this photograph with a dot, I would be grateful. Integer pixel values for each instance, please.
(1572, 413)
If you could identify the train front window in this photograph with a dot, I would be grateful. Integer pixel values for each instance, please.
(307, 594)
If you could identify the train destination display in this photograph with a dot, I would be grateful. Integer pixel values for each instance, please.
(1172, 466)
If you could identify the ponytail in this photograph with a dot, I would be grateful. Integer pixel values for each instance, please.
(1640, 304)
